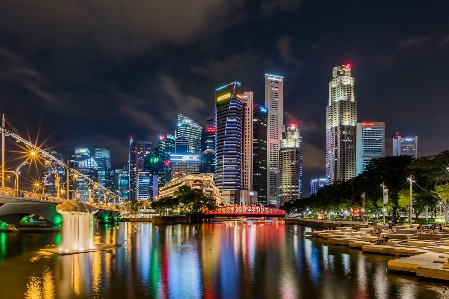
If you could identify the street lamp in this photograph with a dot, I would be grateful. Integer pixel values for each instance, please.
(18, 172)
(410, 179)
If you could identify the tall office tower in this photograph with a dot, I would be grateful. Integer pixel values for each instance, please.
(370, 143)
(191, 131)
(208, 146)
(182, 146)
(317, 184)
(103, 158)
(260, 153)
(166, 147)
(290, 165)
(405, 146)
(341, 122)
(247, 140)
(228, 140)
(55, 175)
(184, 164)
(84, 163)
(274, 101)
(138, 151)
(122, 183)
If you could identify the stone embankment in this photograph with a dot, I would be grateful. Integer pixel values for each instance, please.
(426, 255)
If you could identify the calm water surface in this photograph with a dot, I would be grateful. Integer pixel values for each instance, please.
(220, 260)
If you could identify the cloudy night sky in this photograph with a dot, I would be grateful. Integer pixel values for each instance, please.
(92, 73)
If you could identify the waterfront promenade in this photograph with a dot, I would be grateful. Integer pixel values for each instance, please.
(426, 255)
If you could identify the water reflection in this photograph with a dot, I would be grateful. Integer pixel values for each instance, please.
(220, 260)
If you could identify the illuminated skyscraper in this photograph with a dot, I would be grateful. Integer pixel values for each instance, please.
(317, 184)
(274, 101)
(103, 158)
(260, 152)
(290, 165)
(191, 131)
(86, 164)
(138, 152)
(405, 146)
(247, 141)
(208, 146)
(370, 143)
(341, 122)
(228, 140)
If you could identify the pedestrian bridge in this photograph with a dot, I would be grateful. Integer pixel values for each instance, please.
(245, 211)
(16, 206)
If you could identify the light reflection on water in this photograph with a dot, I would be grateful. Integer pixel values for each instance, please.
(221, 260)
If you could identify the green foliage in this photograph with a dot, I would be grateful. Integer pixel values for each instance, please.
(431, 185)
(164, 204)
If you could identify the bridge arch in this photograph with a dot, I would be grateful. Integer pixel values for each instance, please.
(12, 213)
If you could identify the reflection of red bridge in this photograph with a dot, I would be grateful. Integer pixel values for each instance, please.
(249, 211)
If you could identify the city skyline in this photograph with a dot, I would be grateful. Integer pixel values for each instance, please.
(92, 79)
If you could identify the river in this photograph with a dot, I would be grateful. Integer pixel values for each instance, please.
(246, 259)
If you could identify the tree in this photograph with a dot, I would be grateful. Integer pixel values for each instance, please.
(195, 202)
(165, 203)
(443, 193)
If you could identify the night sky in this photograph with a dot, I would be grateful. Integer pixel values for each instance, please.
(92, 73)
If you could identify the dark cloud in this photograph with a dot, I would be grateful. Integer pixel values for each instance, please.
(285, 51)
(444, 41)
(114, 28)
(413, 42)
(268, 7)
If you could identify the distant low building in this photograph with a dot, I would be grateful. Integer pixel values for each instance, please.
(201, 181)
(317, 184)
(405, 146)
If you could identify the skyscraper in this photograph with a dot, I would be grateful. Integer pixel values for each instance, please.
(191, 131)
(403, 146)
(317, 184)
(122, 182)
(85, 164)
(290, 165)
(260, 152)
(103, 158)
(208, 146)
(341, 121)
(370, 143)
(138, 152)
(247, 141)
(274, 99)
(228, 140)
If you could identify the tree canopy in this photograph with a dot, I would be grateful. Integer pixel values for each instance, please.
(430, 177)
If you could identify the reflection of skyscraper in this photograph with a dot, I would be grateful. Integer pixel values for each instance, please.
(138, 151)
(290, 165)
(260, 152)
(405, 146)
(228, 140)
(274, 99)
(370, 143)
(191, 131)
(341, 121)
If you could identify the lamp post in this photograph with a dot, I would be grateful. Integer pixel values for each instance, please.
(3, 151)
(410, 179)
(18, 172)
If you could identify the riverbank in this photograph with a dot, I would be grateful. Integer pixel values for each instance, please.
(426, 255)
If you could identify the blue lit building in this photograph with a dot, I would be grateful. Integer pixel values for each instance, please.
(191, 132)
(228, 140)
(317, 184)
(370, 143)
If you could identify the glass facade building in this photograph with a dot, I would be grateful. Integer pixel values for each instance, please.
(228, 139)
(370, 143)
(191, 131)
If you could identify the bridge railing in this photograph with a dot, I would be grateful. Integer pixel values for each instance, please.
(31, 195)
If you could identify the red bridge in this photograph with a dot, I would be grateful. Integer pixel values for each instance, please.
(248, 211)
